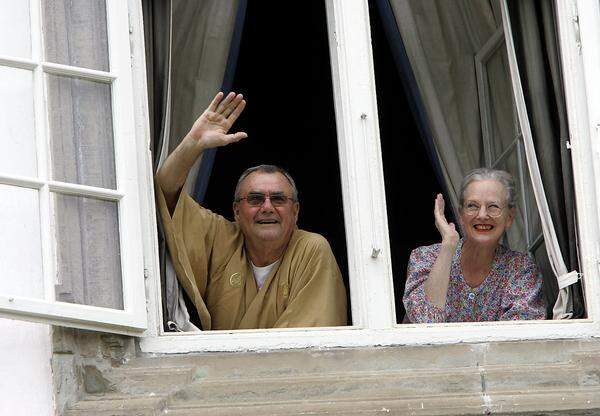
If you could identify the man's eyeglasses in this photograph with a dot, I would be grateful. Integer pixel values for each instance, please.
(493, 210)
(257, 199)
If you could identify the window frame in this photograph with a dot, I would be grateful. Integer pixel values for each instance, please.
(366, 219)
(132, 319)
(369, 254)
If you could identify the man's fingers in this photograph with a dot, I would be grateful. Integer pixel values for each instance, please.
(236, 137)
(225, 102)
(237, 111)
(232, 105)
(215, 102)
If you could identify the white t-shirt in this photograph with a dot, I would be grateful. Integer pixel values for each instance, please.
(261, 273)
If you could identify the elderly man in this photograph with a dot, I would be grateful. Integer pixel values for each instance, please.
(260, 271)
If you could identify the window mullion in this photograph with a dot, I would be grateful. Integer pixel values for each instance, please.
(42, 150)
(371, 286)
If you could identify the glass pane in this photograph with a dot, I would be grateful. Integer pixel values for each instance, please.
(20, 242)
(18, 155)
(501, 103)
(75, 33)
(15, 28)
(533, 215)
(81, 131)
(516, 234)
(88, 253)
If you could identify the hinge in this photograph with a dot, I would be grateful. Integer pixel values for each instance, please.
(129, 23)
(576, 27)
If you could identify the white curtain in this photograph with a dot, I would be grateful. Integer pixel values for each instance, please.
(441, 38)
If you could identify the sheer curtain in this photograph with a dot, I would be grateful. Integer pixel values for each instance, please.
(440, 39)
(88, 266)
(191, 48)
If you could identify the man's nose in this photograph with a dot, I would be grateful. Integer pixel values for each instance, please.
(266, 205)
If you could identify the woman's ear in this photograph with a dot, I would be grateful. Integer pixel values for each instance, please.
(511, 216)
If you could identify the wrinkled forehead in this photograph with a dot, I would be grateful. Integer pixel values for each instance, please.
(486, 190)
(265, 182)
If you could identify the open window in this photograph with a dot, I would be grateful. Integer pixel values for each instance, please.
(374, 290)
(71, 200)
(71, 232)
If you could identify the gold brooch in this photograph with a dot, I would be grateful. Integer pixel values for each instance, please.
(236, 280)
(285, 290)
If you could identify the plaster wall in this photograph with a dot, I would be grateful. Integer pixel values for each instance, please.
(25, 372)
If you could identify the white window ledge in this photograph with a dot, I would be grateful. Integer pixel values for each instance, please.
(409, 334)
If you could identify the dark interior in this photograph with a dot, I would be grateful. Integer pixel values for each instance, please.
(284, 72)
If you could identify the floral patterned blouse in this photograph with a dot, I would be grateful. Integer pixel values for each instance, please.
(512, 290)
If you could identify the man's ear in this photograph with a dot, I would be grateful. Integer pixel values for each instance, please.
(236, 210)
(296, 210)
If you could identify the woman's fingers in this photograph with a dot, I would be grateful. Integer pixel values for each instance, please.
(438, 210)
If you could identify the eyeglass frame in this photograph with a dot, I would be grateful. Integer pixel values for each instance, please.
(264, 198)
(487, 209)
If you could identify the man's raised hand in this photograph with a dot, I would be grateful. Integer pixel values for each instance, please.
(210, 129)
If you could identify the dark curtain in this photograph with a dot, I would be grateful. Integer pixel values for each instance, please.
(534, 32)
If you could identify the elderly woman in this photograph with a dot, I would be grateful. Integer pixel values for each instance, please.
(474, 278)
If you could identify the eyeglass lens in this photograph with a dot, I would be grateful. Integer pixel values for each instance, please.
(492, 210)
(257, 199)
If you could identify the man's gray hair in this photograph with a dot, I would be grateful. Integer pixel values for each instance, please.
(482, 174)
(265, 169)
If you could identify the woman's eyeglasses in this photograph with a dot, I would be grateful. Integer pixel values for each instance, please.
(473, 208)
(257, 199)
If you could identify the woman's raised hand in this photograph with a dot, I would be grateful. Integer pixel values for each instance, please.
(210, 129)
(447, 230)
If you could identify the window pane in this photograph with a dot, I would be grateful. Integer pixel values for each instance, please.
(88, 253)
(502, 111)
(75, 33)
(20, 242)
(81, 131)
(533, 215)
(18, 155)
(517, 238)
(15, 32)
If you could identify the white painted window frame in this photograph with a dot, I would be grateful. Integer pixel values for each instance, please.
(369, 254)
(133, 318)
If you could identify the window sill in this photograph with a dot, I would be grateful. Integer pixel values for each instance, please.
(355, 337)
